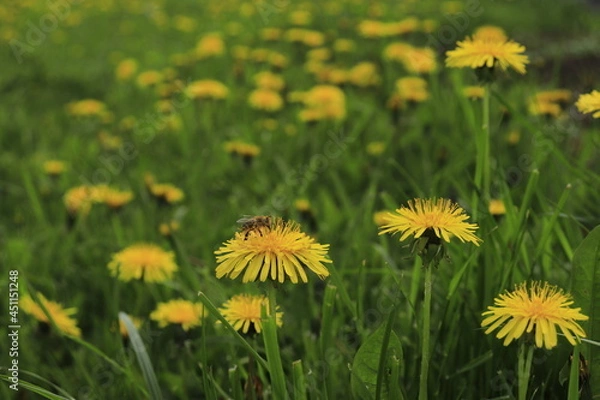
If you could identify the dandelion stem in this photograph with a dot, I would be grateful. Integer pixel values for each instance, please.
(272, 347)
(524, 368)
(426, 334)
(482, 166)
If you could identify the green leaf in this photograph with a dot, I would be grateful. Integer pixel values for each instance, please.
(586, 293)
(142, 357)
(366, 363)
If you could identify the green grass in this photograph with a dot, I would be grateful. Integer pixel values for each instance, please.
(547, 180)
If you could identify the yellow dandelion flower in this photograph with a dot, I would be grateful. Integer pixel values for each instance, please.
(478, 53)
(184, 23)
(473, 92)
(553, 96)
(589, 103)
(79, 200)
(243, 312)
(407, 25)
(513, 137)
(364, 74)
(264, 99)
(108, 141)
(149, 78)
(269, 80)
(544, 108)
(381, 218)
(433, 217)
(344, 46)
(181, 312)
(62, 317)
(240, 148)
(496, 207)
(126, 69)
(313, 38)
(143, 261)
(375, 148)
(207, 89)
(166, 192)
(302, 205)
(491, 33)
(277, 60)
(272, 252)
(137, 322)
(396, 51)
(537, 311)
(324, 102)
(54, 167)
(87, 108)
(411, 88)
(300, 17)
(420, 60)
(210, 45)
(271, 34)
(321, 54)
(115, 198)
(168, 228)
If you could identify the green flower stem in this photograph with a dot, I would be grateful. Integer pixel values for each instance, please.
(482, 166)
(524, 368)
(272, 347)
(426, 334)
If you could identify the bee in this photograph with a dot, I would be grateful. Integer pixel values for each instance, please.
(254, 224)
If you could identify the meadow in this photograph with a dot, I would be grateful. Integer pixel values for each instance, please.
(402, 186)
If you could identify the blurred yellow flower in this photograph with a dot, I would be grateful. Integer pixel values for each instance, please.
(272, 252)
(168, 228)
(207, 89)
(240, 148)
(589, 103)
(474, 92)
(179, 312)
(266, 100)
(149, 78)
(300, 17)
(324, 102)
(184, 23)
(137, 322)
(271, 34)
(166, 192)
(210, 45)
(79, 200)
(126, 69)
(344, 46)
(87, 108)
(243, 312)
(375, 148)
(490, 33)
(143, 261)
(269, 80)
(114, 198)
(54, 167)
(320, 54)
(420, 60)
(496, 207)
(62, 317)
(302, 205)
(411, 89)
(364, 74)
(537, 311)
(548, 102)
